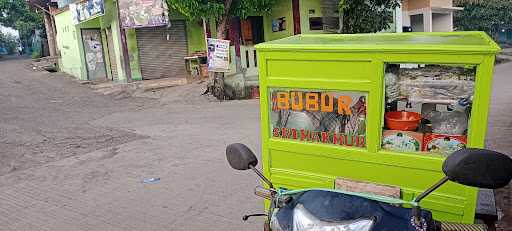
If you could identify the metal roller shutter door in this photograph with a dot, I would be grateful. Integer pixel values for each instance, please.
(161, 51)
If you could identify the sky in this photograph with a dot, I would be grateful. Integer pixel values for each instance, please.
(9, 30)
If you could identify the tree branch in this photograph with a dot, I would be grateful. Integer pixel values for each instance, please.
(222, 25)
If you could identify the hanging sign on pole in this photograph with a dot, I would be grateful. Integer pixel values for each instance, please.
(218, 55)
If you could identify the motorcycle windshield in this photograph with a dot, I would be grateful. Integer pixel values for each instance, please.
(303, 220)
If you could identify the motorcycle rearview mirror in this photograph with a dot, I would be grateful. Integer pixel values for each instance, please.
(240, 157)
(479, 168)
(473, 167)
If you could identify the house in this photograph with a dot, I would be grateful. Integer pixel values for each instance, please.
(428, 15)
(90, 48)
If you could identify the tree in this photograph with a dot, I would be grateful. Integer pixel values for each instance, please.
(366, 16)
(221, 11)
(486, 16)
(17, 14)
(461, 2)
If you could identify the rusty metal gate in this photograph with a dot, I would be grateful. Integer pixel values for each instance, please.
(162, 51)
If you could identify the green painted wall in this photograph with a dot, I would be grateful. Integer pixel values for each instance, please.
(92, 23)
(109, 20)
(305, 6)
(195, 36)
(68, 43)
(282, 8)
(106, 56)
(133, 50)
(71, 46)
(110, 13)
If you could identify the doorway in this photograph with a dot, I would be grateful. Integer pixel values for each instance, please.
(93, 50)
(417, 23)
(252, 31)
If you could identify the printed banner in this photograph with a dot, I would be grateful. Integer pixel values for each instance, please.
(218, 55)
(143, 13)
(85, 10)
(335, 118)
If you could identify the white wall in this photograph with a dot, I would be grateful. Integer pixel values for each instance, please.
(427, 20)
(399, 19)
(442, 22)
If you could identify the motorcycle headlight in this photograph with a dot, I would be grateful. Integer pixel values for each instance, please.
(303, 220)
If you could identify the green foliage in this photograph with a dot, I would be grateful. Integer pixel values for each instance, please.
(16, 14)
(484, 16)
(204, 9)
(366, 16)
(36, 55)
(9, 42)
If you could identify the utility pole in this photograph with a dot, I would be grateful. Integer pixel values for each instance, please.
(124, 46)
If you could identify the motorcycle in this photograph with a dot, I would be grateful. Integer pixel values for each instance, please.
(335, 210)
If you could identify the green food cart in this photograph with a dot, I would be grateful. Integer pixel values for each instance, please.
(378, 108)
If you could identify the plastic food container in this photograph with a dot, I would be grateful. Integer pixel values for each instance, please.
(402, 120)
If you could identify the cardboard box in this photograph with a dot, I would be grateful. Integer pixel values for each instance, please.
(443, 144)
(402, 141)
(350, 185)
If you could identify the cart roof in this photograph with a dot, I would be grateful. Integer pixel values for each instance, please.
(467, 41)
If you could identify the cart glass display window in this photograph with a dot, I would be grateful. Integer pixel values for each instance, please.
(319, 116)
(427, 107)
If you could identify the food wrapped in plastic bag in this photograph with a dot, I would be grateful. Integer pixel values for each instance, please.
(435, 72)
(449, 123)
(436, 90)
(392, 86)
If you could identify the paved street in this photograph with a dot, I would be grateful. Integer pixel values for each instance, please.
(499, 136)
(74, 159)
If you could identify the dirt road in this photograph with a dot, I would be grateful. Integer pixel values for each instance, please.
(73, 159)
(46, 117)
